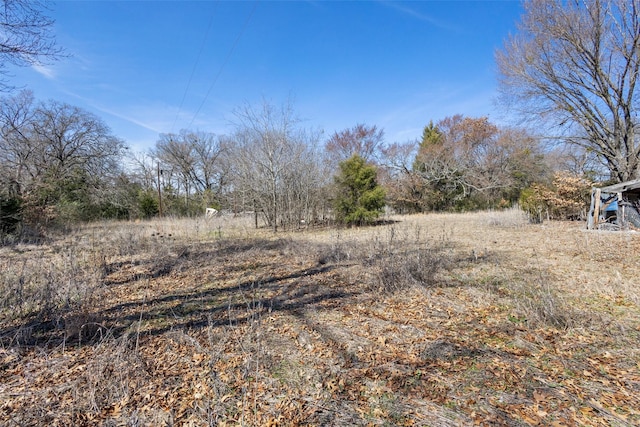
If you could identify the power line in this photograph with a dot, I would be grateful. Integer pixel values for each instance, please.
(195, 66)
(224, 63)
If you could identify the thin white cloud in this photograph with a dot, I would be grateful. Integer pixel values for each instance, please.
(131, 118)
(418, 15)
(45, 71)
(154, 127)
(159, 118)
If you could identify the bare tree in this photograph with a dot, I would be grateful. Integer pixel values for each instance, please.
(365, 141)
(305, 183)
(273, 162)
(50, 150)
(25, 35)
(175, 154)
(143, 170)
(192, 161)
(405, 188)
(16, 145)
(578, 161)
(207, 150)
(70, 138)
(53, 139)
(575, 64)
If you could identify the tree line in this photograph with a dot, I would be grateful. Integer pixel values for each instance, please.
(60, 164)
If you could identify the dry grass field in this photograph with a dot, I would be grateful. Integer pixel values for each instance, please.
(428, 320)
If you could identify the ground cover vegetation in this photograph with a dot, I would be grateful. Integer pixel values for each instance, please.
(438, 319)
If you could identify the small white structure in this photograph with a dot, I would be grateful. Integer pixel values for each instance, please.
(210, 213)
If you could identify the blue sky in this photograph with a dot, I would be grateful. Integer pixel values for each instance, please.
(151, 67)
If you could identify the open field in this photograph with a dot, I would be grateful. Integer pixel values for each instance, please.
(429, 320)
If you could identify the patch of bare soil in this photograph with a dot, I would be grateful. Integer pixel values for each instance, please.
(436, 320)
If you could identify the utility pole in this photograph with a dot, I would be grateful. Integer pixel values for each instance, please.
(159, 192)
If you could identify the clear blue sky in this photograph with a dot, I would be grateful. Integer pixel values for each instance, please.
(150, 67)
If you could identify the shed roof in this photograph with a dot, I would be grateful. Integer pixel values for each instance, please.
(622, 187)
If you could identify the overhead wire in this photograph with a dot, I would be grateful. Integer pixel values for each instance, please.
(195, 66)
(226, 60)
